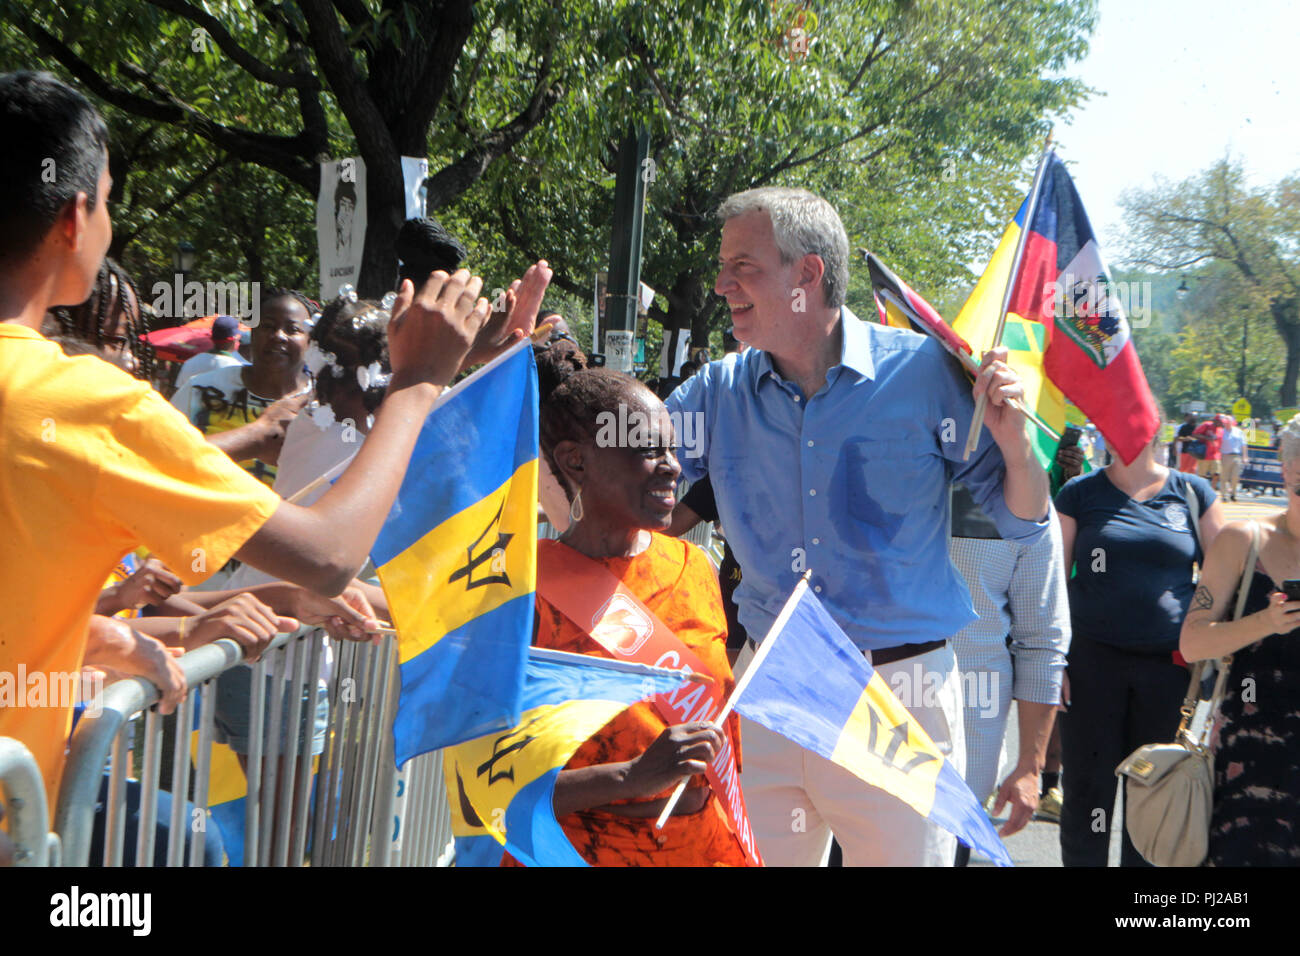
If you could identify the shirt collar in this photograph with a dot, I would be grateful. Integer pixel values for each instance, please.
(855, 351)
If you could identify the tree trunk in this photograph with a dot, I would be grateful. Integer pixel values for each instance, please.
(1286, 317)
(256, 263)
(686, 301)
(385, 212)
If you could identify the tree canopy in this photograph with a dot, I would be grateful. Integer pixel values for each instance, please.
(914, 117)
(1245, 241)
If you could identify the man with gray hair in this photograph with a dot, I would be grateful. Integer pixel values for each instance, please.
(831, 444)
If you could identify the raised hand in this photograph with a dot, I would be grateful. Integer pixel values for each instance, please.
(433, 329)
(152, 583)
(275, 421)
(348, 617)
(1000, 382)
(513, 318)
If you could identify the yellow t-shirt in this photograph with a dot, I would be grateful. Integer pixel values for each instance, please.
(93, 464)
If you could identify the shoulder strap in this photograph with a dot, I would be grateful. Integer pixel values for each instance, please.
(1225, 663)
(1194, 514)
(1247, 571)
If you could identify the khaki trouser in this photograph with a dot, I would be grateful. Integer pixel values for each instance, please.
(1231, 473)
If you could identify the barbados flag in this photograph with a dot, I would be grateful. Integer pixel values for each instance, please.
(500, 786)
(457, 558)
(1066, 329)
(227, 787)
(815, 688)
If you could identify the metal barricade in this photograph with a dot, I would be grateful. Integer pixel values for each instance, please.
(351, 807)
(344, 810)
(23, 792)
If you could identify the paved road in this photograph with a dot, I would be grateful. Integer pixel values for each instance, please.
(1039, 843)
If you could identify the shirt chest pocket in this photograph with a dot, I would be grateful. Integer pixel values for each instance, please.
(885, 477)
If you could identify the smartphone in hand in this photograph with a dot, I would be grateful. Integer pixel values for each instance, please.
(1291, 589)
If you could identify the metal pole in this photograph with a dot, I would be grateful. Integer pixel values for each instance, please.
(634, 171)
(182, 723)
(115, 812)
(977, 422)
(203, 768)
(149, 788)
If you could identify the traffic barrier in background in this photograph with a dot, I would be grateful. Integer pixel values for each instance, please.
(1263, 470)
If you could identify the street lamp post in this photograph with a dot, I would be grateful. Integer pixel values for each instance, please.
(182, 263)
(1245, 331)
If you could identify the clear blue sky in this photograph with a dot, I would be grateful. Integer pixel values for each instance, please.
(1181, 82)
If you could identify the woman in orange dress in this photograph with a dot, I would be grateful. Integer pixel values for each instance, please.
(622, 492)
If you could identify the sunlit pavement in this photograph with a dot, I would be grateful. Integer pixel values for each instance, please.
(1253, 505)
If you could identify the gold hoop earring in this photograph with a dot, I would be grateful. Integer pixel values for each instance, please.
(575, 507)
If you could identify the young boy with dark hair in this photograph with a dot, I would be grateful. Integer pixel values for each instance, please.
(96, 463)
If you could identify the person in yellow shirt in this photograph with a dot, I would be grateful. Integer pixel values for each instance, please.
(94, 463)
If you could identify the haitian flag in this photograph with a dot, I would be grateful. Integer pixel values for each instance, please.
(1063, 283)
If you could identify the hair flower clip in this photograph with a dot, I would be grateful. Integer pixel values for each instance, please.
(322, 416)
(315, 359)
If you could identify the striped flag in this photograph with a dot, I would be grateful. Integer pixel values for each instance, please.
(457, 558)
(1066, 331)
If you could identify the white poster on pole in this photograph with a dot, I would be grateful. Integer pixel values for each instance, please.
(670, 359)
(341, 223)
(619, 346)
(415, 172)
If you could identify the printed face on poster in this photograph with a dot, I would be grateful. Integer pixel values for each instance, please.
(341, 216)
(341, 223)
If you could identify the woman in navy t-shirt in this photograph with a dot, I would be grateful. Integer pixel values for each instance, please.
(1127, 532)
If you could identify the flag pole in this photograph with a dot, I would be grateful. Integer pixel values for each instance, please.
(763, 650)
(972, 439)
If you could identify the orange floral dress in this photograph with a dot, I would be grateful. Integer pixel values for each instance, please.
(674, 580)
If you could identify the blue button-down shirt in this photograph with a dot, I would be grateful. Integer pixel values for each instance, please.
(852, 482)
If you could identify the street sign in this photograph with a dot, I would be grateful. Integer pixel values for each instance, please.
(619, 349)
(1241, 409)
(1194, 407)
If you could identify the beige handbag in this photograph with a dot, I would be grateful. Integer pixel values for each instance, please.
(1169, 788)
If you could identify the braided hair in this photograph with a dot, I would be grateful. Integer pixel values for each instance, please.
(114, 294)
(355, 335)
(573, 396)
(282, 292)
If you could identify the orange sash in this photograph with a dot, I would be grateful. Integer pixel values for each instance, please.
(594, 599)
